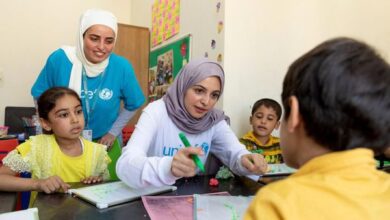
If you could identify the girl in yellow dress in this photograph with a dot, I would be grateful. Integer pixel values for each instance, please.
(57, 158)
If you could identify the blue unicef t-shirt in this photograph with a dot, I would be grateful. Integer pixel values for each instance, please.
(104, 92)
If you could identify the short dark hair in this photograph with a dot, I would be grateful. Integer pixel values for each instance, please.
(47, 101)
(269, 103)
(343, 90)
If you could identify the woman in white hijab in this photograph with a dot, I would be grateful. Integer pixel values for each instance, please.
(100, 77)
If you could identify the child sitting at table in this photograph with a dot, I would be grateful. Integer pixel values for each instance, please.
(264, 119)
(57, 158)
(336, 100)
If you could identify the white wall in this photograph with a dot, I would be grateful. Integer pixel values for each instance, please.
(263, 37)
(30, 31)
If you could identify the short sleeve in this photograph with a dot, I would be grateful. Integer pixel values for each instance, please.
(56, 72)
(16, 163)
(131, 90)
(44, 80)
(102, 164)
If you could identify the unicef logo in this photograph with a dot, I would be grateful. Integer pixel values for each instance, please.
(105, 94)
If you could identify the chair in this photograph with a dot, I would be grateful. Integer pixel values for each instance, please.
(126, 133)
(7, 146)
(13, 118)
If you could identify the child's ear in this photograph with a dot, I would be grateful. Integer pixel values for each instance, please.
(277, 125)
(294, 119)
(250, 120)
(45, 124)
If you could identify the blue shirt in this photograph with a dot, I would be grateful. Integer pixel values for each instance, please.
(105, 91)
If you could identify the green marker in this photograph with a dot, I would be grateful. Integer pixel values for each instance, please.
(195, 157)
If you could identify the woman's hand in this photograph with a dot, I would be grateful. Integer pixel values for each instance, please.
(51, 184)
(92, 179)
(108, 139)
(255, 163)
(182, 163)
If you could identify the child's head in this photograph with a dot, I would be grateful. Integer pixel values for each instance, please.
(60, 111)
(340, 92)
(265, 117)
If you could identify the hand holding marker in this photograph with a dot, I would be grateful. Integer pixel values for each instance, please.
(195, 157)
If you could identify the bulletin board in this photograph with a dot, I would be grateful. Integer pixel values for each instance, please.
(165, 63)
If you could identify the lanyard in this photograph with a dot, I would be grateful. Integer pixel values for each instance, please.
(90, 107)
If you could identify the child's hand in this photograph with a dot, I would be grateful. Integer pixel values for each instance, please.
(92, 179)
(52, 184)
(255, 163)
(107, 140)
(182, 163)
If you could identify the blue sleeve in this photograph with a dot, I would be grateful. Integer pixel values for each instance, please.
(56, 72)
(133, 96)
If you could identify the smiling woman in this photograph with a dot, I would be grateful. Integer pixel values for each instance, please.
(101, 78)
(155, 154)
(98, 43)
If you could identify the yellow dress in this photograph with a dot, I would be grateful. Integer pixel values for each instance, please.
(42, 157)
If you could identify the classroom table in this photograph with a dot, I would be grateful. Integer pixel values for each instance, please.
(8, 201)
(64, 206)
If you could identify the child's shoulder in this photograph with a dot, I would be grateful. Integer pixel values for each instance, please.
(274, 139)
(35, 142)
(88, 144)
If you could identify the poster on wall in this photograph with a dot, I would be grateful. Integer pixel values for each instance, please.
(165, 20)
(165, 63)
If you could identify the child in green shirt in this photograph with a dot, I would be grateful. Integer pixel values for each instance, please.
(265, 118)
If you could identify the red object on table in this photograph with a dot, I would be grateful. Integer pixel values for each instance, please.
(213, 182)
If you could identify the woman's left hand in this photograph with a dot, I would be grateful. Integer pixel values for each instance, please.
(255, 163)
(92, 179)
(108, 139)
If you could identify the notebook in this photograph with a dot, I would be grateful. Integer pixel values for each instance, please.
(275, 170)
(109, 194)
(27, 214)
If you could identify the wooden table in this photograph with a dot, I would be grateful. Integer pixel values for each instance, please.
(8, 201)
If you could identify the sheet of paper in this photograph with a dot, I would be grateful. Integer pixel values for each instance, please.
(28, 214)
(220, 207)
(171, 207)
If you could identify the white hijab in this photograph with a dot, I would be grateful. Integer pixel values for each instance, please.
(76, 54)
